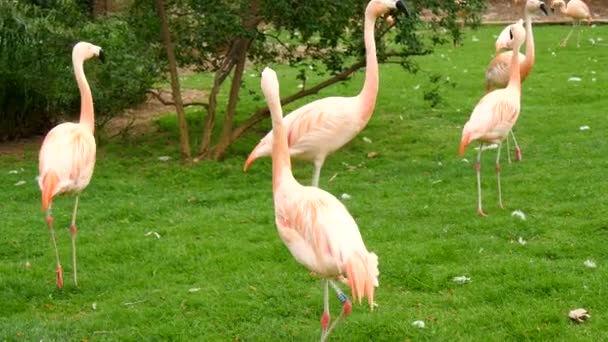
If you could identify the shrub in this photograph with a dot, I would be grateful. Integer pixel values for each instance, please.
(37, 86)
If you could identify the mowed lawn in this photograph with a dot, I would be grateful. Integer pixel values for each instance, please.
(217, 270)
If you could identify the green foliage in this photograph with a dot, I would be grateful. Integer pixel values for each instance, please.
(37, 86)
(219, 272)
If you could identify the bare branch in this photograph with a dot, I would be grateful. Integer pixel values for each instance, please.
(159, 97)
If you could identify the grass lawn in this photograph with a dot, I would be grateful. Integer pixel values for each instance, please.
(219, 272)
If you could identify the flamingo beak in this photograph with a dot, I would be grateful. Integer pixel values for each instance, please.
(102, 56)
(511, 34)
(402, 6)
(544, 8)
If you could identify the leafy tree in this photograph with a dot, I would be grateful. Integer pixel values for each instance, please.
(222, 36)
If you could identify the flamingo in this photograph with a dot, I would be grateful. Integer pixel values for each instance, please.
(321, 127)
(498, 71)
(495, 115)
(577, 10)
(314, 225)
(67, 155)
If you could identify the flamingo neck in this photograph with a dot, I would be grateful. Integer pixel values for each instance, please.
(87, 115)
(281, 162)
(515, 77)
(370, 86)
(529, 60)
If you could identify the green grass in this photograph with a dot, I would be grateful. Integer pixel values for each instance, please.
(414, 203)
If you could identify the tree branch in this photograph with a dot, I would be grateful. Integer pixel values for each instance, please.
(160, 99)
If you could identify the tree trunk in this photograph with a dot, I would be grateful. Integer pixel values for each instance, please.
(177, 97)
(242, 46)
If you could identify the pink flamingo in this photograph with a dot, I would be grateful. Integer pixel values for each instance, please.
(497, 74)
(577, 10)
(495, 115)
(321, 127)
(67, 155)
(315, 226)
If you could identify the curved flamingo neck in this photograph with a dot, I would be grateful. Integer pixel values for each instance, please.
(87, 114)
(370, 87)
(528, 63)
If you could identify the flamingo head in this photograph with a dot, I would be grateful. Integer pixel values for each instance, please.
(534, 5)
(517, 34)
(378, 8)
(84, 51)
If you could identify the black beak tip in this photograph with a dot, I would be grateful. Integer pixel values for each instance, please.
(510, 34)
(102, 56)
(544, 9)
(403, 7)
(552, 10)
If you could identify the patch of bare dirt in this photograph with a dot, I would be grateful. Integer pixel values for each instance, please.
(139, 120)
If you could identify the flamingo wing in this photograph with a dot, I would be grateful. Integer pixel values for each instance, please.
(493, 116)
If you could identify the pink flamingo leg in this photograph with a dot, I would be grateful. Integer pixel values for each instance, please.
(318, 164)
(498, 176)
(346, 308)
(325, 316)
(59, 271)
(517, 149)
(478, 171)
(73, 232)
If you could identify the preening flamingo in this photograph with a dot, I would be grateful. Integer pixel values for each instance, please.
(321, 127)
(577, 10)
(495, 115)
(314, 225)
(497, 74)
(67, 155)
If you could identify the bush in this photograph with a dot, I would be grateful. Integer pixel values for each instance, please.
(37, 86)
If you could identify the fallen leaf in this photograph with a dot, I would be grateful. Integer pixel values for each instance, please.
(461, 279)
(345, 196)
(21, 182)
(194, 289)
(372, 154)
(590, 263)
(164, 158)
(153, 233)
(579, 315)
(584, 128)
(367, 140)
(574, 79)
(519, 214)
(419, 324)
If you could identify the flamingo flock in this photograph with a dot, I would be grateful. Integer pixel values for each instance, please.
(315, 226)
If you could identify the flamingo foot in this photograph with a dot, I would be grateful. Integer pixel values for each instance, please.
(500, 205)
(517, 154)
(481, 213)
(59, 277)
(564, 43)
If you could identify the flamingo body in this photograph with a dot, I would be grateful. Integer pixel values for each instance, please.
(67, 154)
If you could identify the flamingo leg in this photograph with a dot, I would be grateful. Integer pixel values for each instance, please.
(579, 29)
(346, 307)
(509, 149)
(59, 271)
(517, 149)
(478, 171)
(565, 41)
(73, 232)
(325, 316)
(318, 164)
(498, 176)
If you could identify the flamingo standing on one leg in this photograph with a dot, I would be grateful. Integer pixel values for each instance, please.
(321, 127)
(577, 10)
(495, 115)
(497, 74)
(315, 226)
(67, 155)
